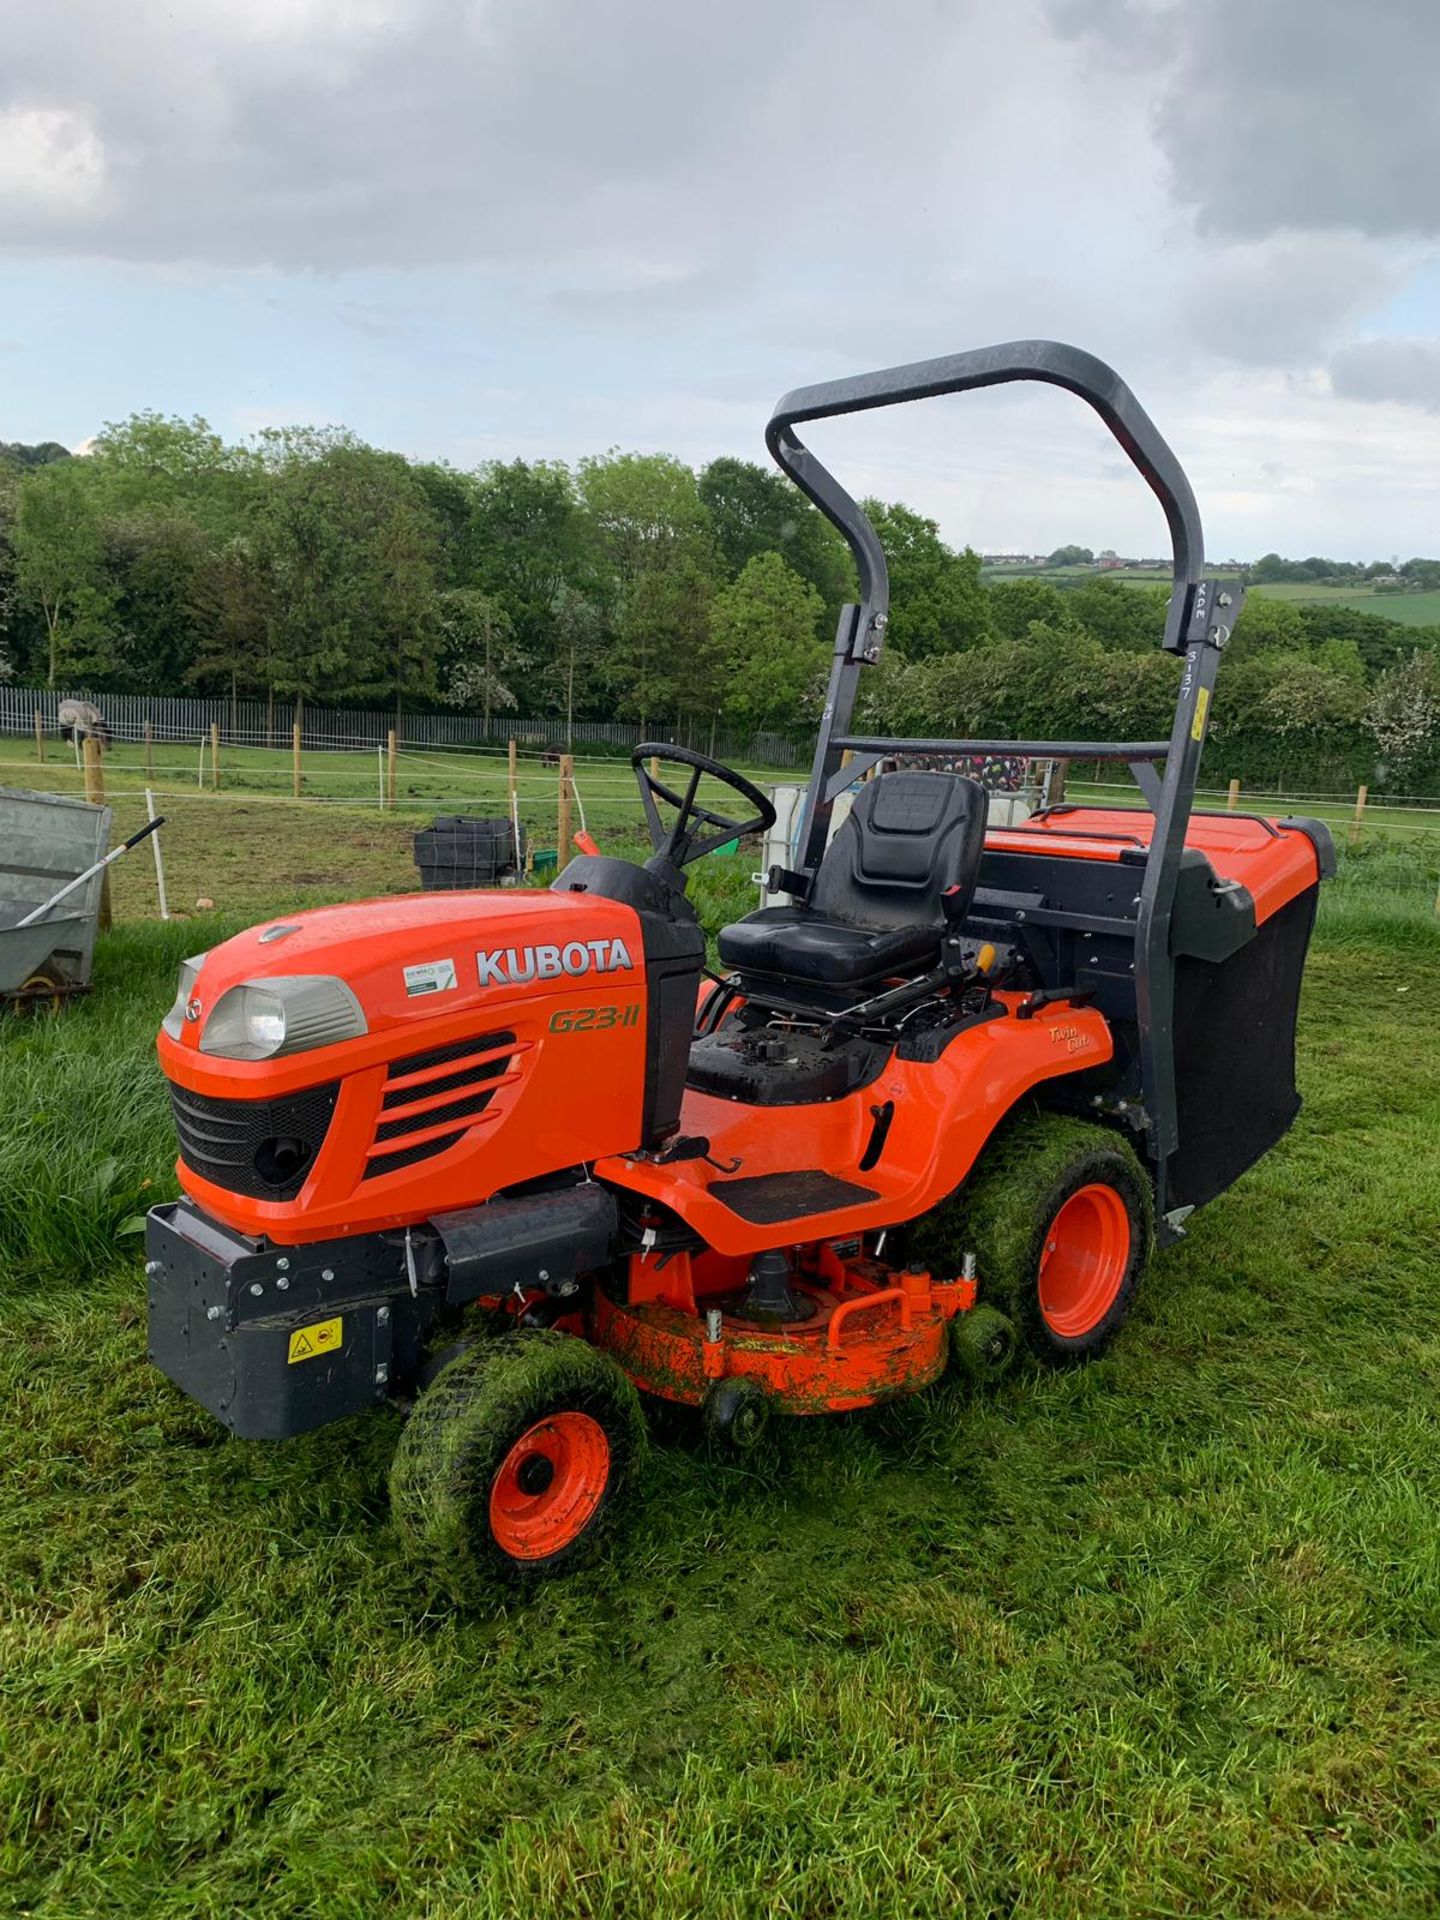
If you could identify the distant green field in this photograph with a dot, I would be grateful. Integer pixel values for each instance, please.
(1410, 609)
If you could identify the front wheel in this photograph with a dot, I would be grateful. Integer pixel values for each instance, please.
(1059, 1217)
(516, 1462)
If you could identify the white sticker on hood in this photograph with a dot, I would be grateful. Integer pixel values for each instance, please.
(430, 976)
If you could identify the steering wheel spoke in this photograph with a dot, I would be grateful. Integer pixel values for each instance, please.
(678, 845)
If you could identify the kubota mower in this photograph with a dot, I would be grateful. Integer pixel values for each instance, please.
(514, 1156)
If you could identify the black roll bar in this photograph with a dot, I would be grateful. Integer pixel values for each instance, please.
(1049, 361)
(1024, 749)
(1198, 623)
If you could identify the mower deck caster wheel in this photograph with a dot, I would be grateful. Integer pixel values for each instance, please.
(735, 1414)
(982, 1344)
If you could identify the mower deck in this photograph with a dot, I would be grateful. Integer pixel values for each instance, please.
(867, 1333)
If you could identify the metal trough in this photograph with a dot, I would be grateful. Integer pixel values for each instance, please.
(45, 840)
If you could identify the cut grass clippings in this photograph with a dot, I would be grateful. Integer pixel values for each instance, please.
(1152, 1638)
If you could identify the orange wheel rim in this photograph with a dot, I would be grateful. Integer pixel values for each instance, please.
(1083, 1266)
(549, 1486)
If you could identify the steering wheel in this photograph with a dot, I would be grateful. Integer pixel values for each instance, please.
(679, 845)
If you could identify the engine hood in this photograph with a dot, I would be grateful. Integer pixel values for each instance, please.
(418, 960)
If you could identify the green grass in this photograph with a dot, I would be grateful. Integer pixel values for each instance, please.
(1153, 1638)
(1419, 609)
(1410, 609)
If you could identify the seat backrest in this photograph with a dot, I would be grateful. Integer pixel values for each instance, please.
(910, 837)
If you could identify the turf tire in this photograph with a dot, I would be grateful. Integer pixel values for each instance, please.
(1005, 1213)
(458, 1448)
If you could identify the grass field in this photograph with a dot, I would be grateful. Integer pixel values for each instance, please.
(1154, 1638)
(1410, 609)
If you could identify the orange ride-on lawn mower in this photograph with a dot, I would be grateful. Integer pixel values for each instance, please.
(957, 1089)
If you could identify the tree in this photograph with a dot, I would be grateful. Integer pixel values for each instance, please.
(1123, 619)
(764, 633)
(59, 566)
(9, 508)
(937, 602)
(482, 654)
(661, 663)
(450, 498)
(524, 544)
(233, 620)
(579, 633)
(1015, 604)
(1380, 643)
(1266, 625)
(151, 463)
(646, 511)
(1404, 714)
(753, 511)
(19, 458)
(350, 547)
(153, 561)
(1070, 557)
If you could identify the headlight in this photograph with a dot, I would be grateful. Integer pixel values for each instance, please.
(175, 1018)
(290, 1014)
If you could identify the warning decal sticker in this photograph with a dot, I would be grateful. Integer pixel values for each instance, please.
(323, 1337)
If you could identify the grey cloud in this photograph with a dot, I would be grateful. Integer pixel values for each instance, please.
(413, 132)
(1274, 114)
(1283, 302)
(1406, 372)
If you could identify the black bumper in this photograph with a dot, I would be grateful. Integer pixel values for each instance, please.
(276, 1340)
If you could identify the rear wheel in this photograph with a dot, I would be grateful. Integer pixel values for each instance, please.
(1058, 1216)
(516, 1462)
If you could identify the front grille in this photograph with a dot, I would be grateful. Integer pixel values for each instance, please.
(442, 1056)
(407, 1156)
(466, 1079)
(261, 1148)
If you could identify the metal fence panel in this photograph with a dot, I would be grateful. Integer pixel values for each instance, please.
(256, 723)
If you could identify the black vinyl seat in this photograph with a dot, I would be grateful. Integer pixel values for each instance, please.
(874, 910)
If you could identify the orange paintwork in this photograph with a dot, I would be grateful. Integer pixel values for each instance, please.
(1086, 1256)
(565, 1096)
(874, 1333)
(1272, 867)
(534, 1514)
(944, 1114)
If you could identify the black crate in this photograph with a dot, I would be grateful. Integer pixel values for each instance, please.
(457, 851)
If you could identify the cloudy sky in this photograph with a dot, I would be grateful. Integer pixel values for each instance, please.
(470, 228)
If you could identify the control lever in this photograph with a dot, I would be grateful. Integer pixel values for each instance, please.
(952, 956)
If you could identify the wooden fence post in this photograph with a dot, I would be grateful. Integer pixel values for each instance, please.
(39, 736)
(215, 756)
(1361, 797)
(150, 758)
(295, 735)
(1234, 800)
(567, 771)
(654, 766)
(95, 793)
(513, 807)
(390, 767)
